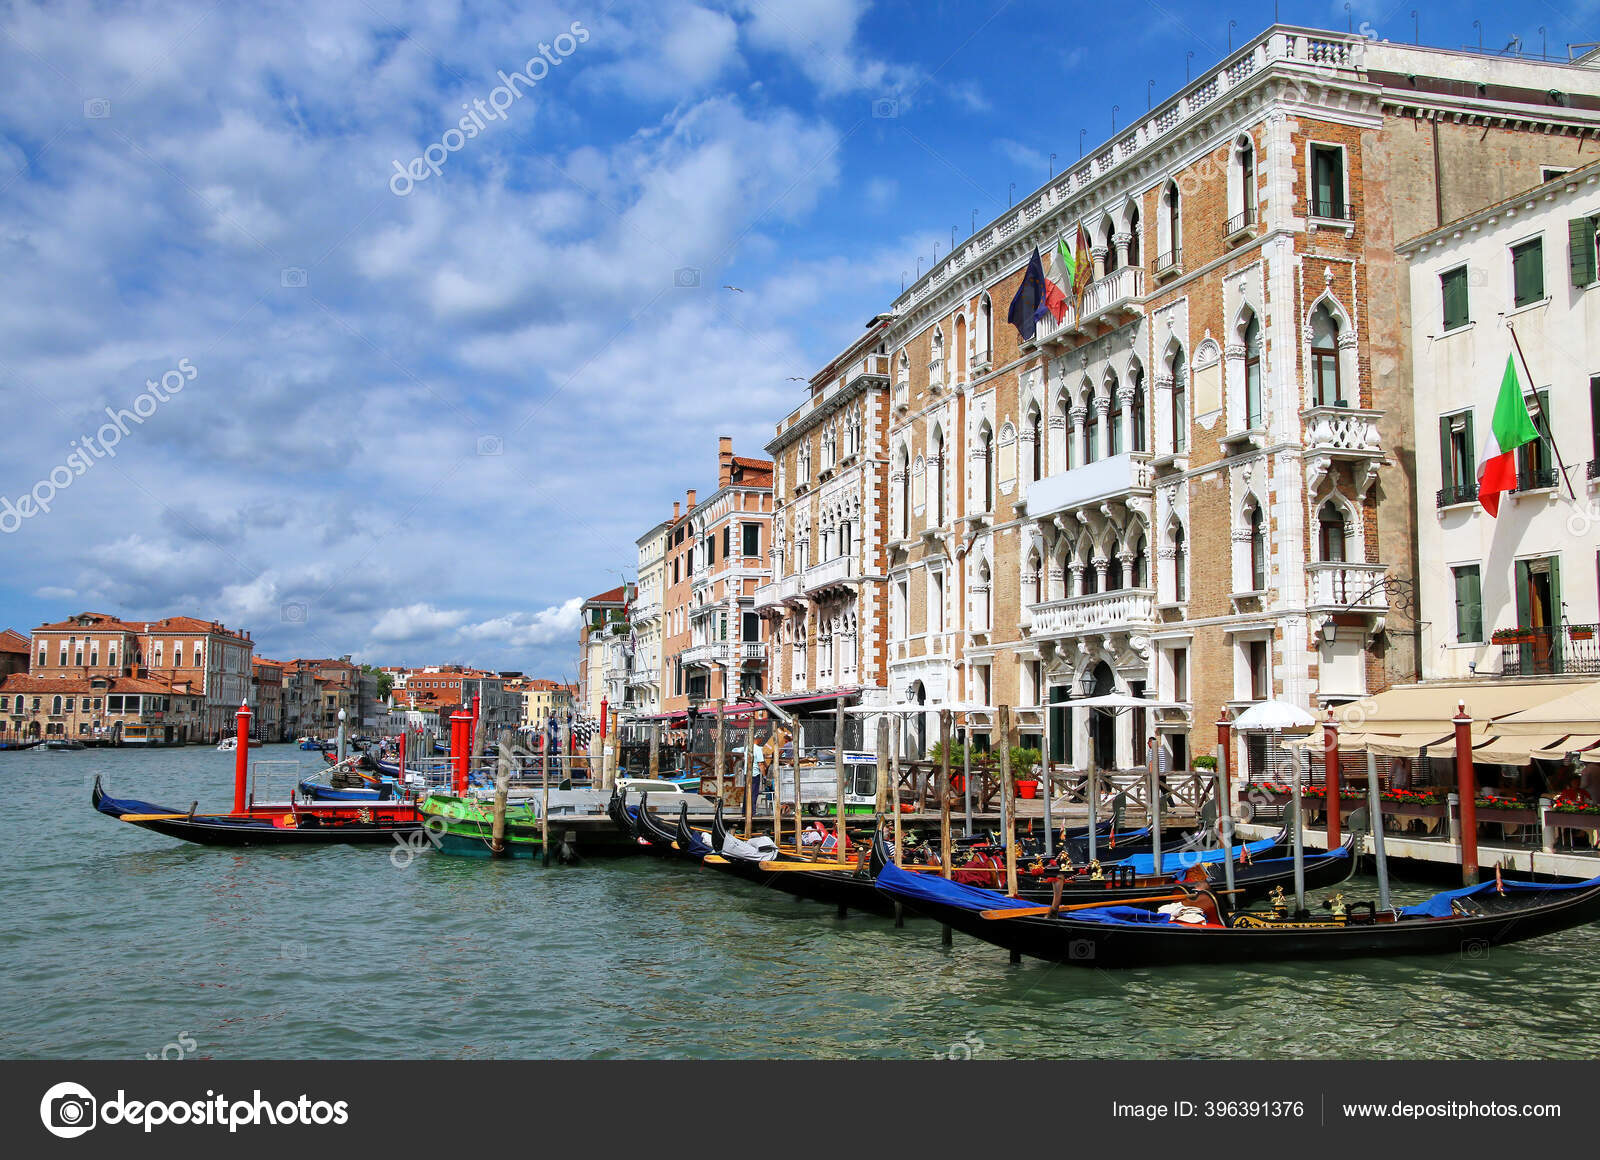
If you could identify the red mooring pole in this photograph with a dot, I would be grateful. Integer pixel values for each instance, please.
(1330, 776)
(241, 757)
(1467, 791)
(402, 777)
(461, 747)
(1224, 763)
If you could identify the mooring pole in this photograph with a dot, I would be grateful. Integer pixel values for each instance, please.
(1375, 816)
(894, 787)
(1225, 792)
(1330, 776)
(1467, 791)
(1044, 765)
(1153, 771)
(720, 751)
(1299, 835)
(944, 791)
(241, 755)
(1008, 796)
(502, 787)
(966, 772)
(655, 750)
(883, 767)
(749, 776)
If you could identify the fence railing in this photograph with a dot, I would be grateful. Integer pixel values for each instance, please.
(1549, 651)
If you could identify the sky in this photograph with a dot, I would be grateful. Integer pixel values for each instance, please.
(312, 323)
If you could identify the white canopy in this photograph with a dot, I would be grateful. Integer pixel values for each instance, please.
(914, 709)
(1119, 701)
(1275, 717)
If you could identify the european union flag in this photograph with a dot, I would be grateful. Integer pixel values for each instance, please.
(1029, 298)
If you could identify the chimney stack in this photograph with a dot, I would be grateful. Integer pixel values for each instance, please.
(674, 511)
(691, 500)
(724, 460)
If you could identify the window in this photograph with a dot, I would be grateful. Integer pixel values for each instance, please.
(1535, 462)
(727, 541)
(1171, 229)
(901, 613)
(844, 537)
(935, 601)
(1327, 182)
(1091, 577)
(986, 453)
(1469, 605)
(1258, 550)
(1256, 658)
(1331, 530)
(42, 661)
(1141, 564)
(55, 704)
(1252, 373)
(1180, 674)
(1581, 250)
(752, 539)
(1550, 173)
(1180, 405)
(937, 466)
(94, 654)
(905, 494)
(1325, 358)
(71, 701)
(1091, 429)
(1453, 288)
(63, 657)
(985, 333)
(1136, 412)
(1527, 272)
(750, 629)
(1180, 565)
(1036, 434)
(1458, 473)
(158, 654)
(1594, 415)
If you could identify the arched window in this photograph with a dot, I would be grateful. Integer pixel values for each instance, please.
(1180, 565)
(1242, 185)
(1091, 576)
(1116, 417)
(980, 601)
(1114, 574)
(936, 359)
(1133, 235)
(1141, 563)
(55, 705)
(1331, 532)
(984, 338)
(1106, 236)
(1252, 373)
(936, 477)
(1064, 409)
(961, 349)
(905, 494)
(1091, 428)
(1325, 358)
(1036, 434)
(1036, 571)
(844, 537)
(986, 457)
(1171, 228)
(1258, 550)
(1136, 411)
(1180, 403)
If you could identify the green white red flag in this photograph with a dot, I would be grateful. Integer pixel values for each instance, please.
(1510, 429)
(1058, 280)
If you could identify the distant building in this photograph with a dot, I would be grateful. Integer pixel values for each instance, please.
(131, 710)
(13, 653)
(600, 637)
(266, 698)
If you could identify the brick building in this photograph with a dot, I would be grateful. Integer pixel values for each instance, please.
(14, 653)
(1199, 484)
(126, 710)
(266, 699)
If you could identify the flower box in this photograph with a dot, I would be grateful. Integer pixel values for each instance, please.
(1580, 634)
(1556, 819)
(1524, 816)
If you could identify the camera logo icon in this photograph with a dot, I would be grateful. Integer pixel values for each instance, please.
(293, 277)
(686, 278)
(1080, 950)
(885, 107)
(1475, 949)
(97, 108)
(68, 1110)
(491, 445)
(293, 612)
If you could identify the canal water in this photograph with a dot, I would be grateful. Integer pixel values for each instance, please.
(120, 943)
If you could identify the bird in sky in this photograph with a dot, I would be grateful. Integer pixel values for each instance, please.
(735, 289)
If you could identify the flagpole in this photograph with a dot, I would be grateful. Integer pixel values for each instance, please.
(1534, 387)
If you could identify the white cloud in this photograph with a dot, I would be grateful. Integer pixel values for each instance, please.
(414, 621)
(557, 624)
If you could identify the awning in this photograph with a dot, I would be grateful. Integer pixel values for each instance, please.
(1515, 750)
(1426, 707)
(1436, 742)
(1565, 709)
(1348, 742)
(1574, 743)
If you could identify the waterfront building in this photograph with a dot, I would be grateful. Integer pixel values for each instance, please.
(125, 710)
(601, 634)
(1197, 484)
(1525, 265)
(14, 653)
(826, 601)
(266, 699)
(645, 618)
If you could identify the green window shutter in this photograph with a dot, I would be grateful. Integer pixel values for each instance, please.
(1556, 613)
(1446, 460)
(1527, 266)
(1470, 459)
(1580, 250)
(1453, 285)
(1469, 606)
(1522, 593)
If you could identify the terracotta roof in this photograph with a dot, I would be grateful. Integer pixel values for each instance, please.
(22, 683)
(758, 464)
(12, 641)
(191, 624)
(612, 596)
(102, 623)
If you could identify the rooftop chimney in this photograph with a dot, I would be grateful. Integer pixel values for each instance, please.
(691, 499)
(674, 510)
(724, 460)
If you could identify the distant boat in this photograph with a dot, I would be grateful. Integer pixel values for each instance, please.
(4, 745)
(60, 744)
(231, 744)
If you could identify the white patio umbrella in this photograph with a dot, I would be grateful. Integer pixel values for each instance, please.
(1277, 718)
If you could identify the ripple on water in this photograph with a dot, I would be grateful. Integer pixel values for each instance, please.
(339, 953)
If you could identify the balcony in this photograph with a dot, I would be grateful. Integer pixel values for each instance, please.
(1238, 226)
(1340, 434)
(1548, 651)
(1535, 478)
(1169, 265)
(1120, 611)
(1341, 587)
(829, 574)
(643, 677)
(644, 613)
(1107, 303)
(724, 652)
(1115, 477)
(1331, 209)
(1593, 471)
(1457, 493)
(784, 590)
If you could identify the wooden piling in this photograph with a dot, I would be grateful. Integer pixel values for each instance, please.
(720, 749)
(655, 751)
(883, 768)
(502, 788)
(838, 781)
(944, 792)
(894, 785)
(749, 778)
(1008, 794)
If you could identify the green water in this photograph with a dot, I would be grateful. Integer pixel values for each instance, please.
(119, 943)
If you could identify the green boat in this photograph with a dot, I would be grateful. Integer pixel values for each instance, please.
(468, 826)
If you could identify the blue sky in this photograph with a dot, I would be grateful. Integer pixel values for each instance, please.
(421, 428)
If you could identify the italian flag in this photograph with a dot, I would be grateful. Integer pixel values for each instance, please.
(1511, 428)
(1057, 282)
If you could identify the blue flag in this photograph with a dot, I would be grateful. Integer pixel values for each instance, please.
(1029, 301)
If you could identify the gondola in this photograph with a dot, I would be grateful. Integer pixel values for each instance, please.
(1252, 881)
(848, 886)
(691, 842)
(658, 837)
(8, 745)
(465, 825)
(1464, 921)
(285, 825)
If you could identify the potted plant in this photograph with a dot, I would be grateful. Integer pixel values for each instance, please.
(1024, 768)
(1581, 632)
(1206, 763)
(1511, 636)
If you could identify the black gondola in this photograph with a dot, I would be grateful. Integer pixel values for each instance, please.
(1467, 921)
(307, 827)
(691, 842)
